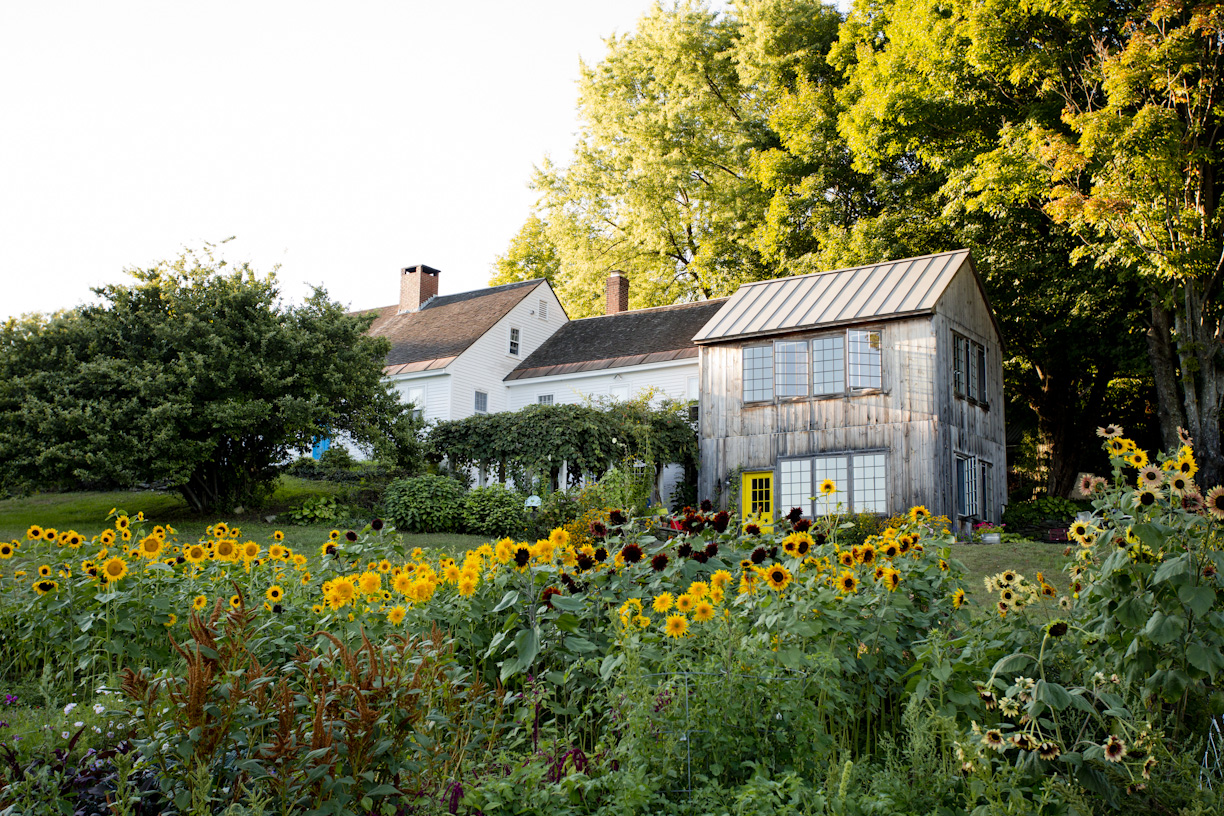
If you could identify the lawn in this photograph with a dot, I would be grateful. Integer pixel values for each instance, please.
(86, 513)
(1026, 557)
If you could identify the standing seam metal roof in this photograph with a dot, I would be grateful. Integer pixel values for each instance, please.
(889, 289)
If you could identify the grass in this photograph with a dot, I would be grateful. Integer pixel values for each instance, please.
(1026, 557)
(86, 513)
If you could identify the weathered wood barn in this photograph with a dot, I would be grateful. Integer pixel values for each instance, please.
(886, 379)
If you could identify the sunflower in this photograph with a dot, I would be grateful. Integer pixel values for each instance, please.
(1115, 749)
(396, 615)
(1145, 497)
(125, 534)
(703, 611)
(1150, 476)
(343, 589)
(1078, 530)
(44, 585)
(1186, 465)
(777, 577)
(114, 569)
(50, 534)
(919, 514)
(685, 603)
(1138, 459)
(369, 582)
(150, 547)
(958, 599)
(34, 533)
(892, 578)
(334, 535)
(676, 626)
(402, 583)
(277, 553)
(1109, 431)
(250, 551)
(226, 549)
(1008, 577)
(847, 583)
(699, 589)
(1002, 607)
(662, 602)
(122, 523)
(196, 554)
(106, 538)
(867, 554)
(993, 738)
(236, 601)
(171, 619)
(846, 558)
(7, 549)
(1048, 750)
(828, 487)
(275, 593)
(1180, 485)
(1116, 446)
(199, 603)
(44, 571)
(720, 579)
(278, 536)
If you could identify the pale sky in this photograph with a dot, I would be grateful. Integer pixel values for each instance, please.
(341, 140)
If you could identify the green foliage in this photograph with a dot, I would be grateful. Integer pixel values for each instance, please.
(314, 510)
(858, 527)
(193, 376)
(1038, 514)
(493, 511)
(425, 504)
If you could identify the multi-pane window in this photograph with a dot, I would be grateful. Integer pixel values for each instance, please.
(968, 368)
(828, 365)
(864, 358)
(974, 485)
(758, 373)
(791, 369)
(482, 402)
(859, 481)
(545, 399)
(824, 366)
(514, 342)
(795, 484)
(870, 488)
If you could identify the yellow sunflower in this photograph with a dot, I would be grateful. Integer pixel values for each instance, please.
(777, 577)
(114, 569)
(396, 615)
(199, 603)
(275, 593)
(278, 536)
(150, 547)
(685, 602)
(34, 533)
(703, 611)
(250, 550)
(676, 626)
(828, 487)
(847, 583)
(7, 549)
(662, 602)
(196, 553)
(236, 601)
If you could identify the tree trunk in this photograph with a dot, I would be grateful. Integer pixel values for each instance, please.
(1164, 371)
(1065, 418)
(1198, 348)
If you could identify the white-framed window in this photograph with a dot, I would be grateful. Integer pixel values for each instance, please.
(859, 479)
(960, 365)
(864, 354)
(974, 486)
(543, 311)
(619, 393)
(791, 368)
(825, 366)
(828, 365)
(514, 342)
(545, 399)
(416, 395)
(758, 373)
(482, 402)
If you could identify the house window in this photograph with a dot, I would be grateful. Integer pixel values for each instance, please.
(791, 369)
(416, 395)
(545, 399)
(864, 359)
(860, 482)
(619, 393)
(960, 364)
(482, 402)
(828, 365)
(822, 367)
(974, 482)
(968, 369)
(758, 373)
(514, 342)
(543, 310)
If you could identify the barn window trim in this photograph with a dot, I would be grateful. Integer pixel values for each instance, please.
(851, 486)
(974, 477)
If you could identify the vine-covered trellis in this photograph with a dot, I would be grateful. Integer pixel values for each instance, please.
(532, 444)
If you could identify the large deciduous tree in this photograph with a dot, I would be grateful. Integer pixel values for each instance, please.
(194, 376)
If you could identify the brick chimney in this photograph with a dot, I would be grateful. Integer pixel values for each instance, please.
(618, 293)
(417, 285)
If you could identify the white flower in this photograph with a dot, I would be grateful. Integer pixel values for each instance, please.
(77, 724)
(99, 708)
(64, 735)
(68, 708)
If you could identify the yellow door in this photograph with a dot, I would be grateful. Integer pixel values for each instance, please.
(756, 499)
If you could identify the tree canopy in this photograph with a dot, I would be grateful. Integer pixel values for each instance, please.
(195, 376)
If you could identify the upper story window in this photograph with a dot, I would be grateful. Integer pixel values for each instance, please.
(482, 402)
(968, 369)
(416, 395)
(514, 342)
(544, 399)
(828, 365)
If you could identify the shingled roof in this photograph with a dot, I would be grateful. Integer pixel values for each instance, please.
(444, 327)
(626, 338)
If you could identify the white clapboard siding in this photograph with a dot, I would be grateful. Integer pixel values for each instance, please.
(676, 379)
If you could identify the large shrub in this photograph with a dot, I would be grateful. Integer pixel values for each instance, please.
(494, 511)
(425, 504)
